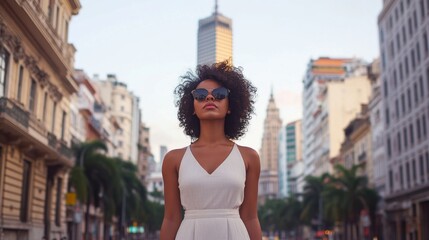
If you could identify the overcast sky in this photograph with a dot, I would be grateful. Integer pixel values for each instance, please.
(148, 44)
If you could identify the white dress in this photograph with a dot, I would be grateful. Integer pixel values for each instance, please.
(211, 201)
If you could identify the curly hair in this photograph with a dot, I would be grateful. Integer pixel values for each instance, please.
(241, 98)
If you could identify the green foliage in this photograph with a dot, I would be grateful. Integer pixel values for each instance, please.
(342, 197)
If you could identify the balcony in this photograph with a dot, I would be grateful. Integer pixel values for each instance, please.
(362, 157)
(85, 104)
(12, 111)
(96, 125)
(21, 129)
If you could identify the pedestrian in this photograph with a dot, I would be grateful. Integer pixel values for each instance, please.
(213, 179)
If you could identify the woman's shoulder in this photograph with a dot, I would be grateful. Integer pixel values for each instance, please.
(248, 151)
(173, 158)
(175, 154)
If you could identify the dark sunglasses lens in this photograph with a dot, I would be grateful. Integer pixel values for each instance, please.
(220, 93)
(200, 94)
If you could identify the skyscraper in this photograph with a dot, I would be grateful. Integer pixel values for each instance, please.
(404, 51)
(214, 38)
(334, 89)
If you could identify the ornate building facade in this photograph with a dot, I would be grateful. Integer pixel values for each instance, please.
(268, 181)
(36, 84)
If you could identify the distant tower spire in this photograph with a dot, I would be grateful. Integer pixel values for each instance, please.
(272, 95)
(216, 7)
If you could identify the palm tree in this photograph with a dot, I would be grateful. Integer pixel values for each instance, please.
(292, 220)
(93, 175)
(350, 194)
(103, 176)
(133, 201)
(77, 176)
(313, 198)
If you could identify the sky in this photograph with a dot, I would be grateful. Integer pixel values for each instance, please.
(149, 44)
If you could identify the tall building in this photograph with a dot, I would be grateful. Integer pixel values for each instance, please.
(145, 154)
(268, 181)
(333, 92)
(36, 86)
(378, 151)
(123, 105)
(214, 38)
(357, 145)
(289, 154)
(404, 51)
(162, 152)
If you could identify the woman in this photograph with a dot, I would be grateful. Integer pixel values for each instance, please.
(214, 179)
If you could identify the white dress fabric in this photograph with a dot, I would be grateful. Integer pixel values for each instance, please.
(211, 201)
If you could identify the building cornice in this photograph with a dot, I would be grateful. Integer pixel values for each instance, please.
(386, 8)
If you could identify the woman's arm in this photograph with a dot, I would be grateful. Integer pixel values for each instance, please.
(249, 207)
(172, 207)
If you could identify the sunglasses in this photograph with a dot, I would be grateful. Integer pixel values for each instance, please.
(200, 94)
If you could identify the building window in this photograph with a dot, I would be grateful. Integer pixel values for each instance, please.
(405, 138)
(51, 11)
(33, 92)
(387, 116)
(54, 112)
(404, 35)
(66, 31)
(403, 104)
(401, 72)
(422, 9)
(20, 77)
(413, 60)
(120, 143)
(399, 142)
(45, 102)
(427, 164)
(389, 148)
(407, 173)
(407, 67)
(57, 17)
(391, 180)
(413, 165)
(4, 65)
(395, 78)
(410, 27)
(25, 191)
(418, 53)
(424, 125)
(425, 43)
(63, 124)
(418, 129)
(416, 94)
(58, 201)
(411, 134)
(401, 177)
(422, 169)
(397, 108)
(386, 88)
(422, 89)
(415, 20)
(122, 108)
(409, 99)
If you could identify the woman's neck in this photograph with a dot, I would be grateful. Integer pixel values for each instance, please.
(212, 132)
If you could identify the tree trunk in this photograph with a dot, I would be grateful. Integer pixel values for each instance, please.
(88, 203)
(106, 230)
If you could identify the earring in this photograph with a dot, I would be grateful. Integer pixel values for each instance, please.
(228, 112)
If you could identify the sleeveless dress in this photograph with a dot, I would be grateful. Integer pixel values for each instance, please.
(211, 201)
